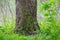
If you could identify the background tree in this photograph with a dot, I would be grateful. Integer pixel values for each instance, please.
(26, 19)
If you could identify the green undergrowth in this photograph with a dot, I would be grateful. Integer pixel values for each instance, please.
(17, 37)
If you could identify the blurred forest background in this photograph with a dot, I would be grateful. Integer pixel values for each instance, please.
(7, 11)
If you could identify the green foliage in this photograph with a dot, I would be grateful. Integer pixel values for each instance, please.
(49, 25)
(58, 1)
(15, 37)
(46, 6)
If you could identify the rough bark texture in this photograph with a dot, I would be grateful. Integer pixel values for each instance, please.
(26, 19)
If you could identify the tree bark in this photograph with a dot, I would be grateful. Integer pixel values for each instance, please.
(26, 19)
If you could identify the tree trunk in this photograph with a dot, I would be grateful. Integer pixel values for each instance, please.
(26, 19)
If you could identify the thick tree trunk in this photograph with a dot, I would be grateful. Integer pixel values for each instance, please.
(26, 19)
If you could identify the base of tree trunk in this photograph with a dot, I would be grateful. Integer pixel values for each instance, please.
(26, 19)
